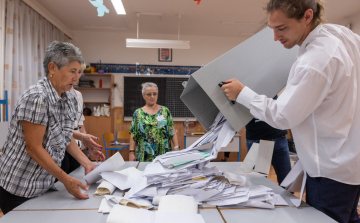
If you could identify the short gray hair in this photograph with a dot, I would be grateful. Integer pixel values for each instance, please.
(61, 54)
(148, 84)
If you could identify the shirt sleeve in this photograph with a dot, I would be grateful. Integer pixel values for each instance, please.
(303, 95)
(34, 109)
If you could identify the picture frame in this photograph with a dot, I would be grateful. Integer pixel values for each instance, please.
(165, 55)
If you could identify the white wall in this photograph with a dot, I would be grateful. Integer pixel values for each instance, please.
(110, 47)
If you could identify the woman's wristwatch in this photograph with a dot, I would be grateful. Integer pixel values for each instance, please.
(132, 151)
(176, 147)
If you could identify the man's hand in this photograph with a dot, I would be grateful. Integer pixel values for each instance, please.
(89, 142)
(72, 186)
(132, 156)
(97, 154)
(88, 168)
(232, 88)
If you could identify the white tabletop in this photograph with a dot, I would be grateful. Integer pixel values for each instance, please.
(60, 207)
(61, 199)
(79, 216)
(288, 215)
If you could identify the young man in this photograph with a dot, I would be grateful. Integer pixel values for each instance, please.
(321, 103)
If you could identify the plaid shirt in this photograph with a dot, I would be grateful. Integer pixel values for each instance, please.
(19, 174)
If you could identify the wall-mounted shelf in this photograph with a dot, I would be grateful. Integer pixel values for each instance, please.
(96, 102)
(91, 88)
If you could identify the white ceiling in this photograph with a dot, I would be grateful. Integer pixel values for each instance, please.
(232, 18)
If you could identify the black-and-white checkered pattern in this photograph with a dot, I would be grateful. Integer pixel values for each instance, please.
(40, 104)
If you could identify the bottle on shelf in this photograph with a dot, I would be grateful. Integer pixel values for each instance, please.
(100, 83)
(187, 130)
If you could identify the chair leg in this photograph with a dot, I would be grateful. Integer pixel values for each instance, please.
(107, 155)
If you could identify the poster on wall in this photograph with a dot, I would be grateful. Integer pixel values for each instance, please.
(165, 55)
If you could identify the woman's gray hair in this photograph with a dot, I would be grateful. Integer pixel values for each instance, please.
(148, 84)
(61, 54)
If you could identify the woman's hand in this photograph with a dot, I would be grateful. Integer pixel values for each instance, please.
(88, 168)
(97, 154)
(89, 142)
(72, 186)
(132, 156)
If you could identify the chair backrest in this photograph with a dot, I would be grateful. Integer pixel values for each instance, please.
(123, 134)
(108, 137)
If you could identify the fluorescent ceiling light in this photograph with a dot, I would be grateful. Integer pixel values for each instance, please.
(156, 43)
(119, 7)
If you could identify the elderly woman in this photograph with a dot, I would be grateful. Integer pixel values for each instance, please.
(152, 128)
(40, 131)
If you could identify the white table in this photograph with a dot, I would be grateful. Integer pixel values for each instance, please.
(62, 200)
(283, 215)
(58, 207)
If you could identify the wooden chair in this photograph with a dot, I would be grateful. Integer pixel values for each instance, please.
(109, 137)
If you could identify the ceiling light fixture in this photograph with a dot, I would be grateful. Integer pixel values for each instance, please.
(155, 43)
(119, 7)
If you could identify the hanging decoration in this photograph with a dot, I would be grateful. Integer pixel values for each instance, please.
(198, 1)
(101, 8)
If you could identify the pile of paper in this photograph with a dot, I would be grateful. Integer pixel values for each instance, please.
(184, 172)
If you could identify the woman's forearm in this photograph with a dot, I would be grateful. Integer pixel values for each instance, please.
(175, 140)
(74, 150)
(132, 143)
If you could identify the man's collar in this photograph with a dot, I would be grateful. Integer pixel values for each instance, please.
(309, 38)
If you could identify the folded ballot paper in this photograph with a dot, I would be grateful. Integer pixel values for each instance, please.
(111, 164)
(105, 188)
(295, 181)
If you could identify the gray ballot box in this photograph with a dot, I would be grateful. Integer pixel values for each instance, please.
(259, 63)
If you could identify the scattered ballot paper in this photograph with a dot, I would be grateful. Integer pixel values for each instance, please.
(123, 214)
(122, 179)
(295, 181)
(111, 164)
(235, 179)
(105, 188)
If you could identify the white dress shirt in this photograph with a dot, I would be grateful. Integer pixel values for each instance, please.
(321, 104)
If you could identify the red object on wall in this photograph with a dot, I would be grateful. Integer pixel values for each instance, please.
(198, 1)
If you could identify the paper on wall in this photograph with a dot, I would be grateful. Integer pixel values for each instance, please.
(111, 164)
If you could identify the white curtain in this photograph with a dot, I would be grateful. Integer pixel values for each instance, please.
(27, 36)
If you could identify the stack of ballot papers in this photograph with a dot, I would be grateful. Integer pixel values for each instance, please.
(184, 173)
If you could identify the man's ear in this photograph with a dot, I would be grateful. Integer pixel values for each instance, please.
(308, 16)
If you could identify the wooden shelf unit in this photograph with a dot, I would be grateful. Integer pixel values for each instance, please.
(97, 126)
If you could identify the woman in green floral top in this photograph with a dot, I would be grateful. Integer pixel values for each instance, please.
(152, 128)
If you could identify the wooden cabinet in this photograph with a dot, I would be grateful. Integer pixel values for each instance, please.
(97, 126)
(98, 96)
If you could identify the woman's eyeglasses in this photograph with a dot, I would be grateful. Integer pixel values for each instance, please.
(153, 94)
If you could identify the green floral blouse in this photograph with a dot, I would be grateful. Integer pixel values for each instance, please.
(152, 133)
